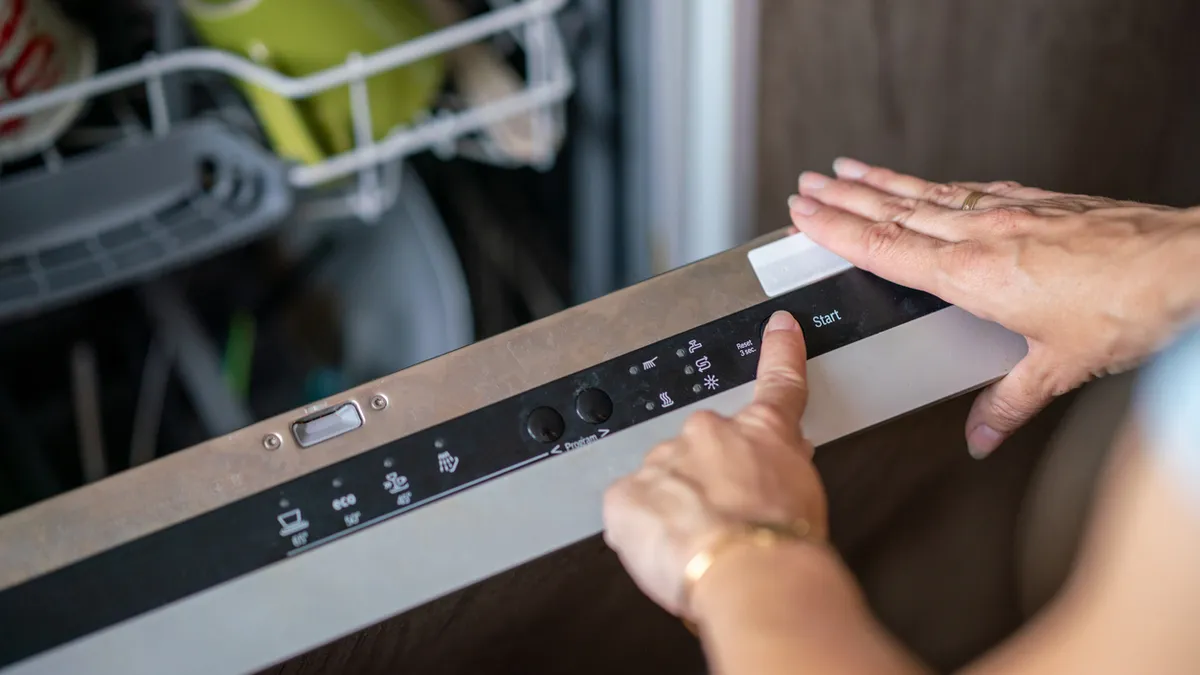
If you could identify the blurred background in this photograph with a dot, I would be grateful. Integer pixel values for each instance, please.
(214, 211)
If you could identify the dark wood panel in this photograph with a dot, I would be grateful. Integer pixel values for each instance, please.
(1093, 96)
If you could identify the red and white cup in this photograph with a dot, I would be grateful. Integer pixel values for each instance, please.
(40, 49)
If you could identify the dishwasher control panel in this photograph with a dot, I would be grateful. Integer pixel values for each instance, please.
(403, 475)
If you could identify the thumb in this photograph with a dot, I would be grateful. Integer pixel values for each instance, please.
(1005, 406)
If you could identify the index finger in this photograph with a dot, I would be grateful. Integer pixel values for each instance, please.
(782, 383)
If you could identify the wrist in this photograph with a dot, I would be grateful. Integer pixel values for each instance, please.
(752, 578)
(1161, 291)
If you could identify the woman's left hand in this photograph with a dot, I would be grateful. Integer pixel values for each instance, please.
(1094, 285)
(754, 466)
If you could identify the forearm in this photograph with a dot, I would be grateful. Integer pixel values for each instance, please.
(792, 608)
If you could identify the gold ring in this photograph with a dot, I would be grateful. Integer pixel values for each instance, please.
(972, 200)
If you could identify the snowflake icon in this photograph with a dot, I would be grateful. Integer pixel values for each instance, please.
(711, 382)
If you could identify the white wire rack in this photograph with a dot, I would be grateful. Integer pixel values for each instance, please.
(530, 23)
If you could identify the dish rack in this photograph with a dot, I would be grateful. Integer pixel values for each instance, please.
(54, 249)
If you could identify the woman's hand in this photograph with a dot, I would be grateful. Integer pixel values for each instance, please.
(1094, 285)
(755, 465)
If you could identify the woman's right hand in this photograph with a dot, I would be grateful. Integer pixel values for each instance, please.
(1094, 285)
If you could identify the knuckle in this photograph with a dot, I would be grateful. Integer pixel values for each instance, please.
(659, 453)
(1009, 412)
(1004, 219)
(898, 209)
(702, 423)
(967, 267)
(881, 240)
(1017, 406)
(940, 193)
(782, 376)
(765, 415)
(1003, 186)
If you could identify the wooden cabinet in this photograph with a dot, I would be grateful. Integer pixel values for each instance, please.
(1092, 96)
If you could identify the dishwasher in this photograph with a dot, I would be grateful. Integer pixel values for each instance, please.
(324, 325)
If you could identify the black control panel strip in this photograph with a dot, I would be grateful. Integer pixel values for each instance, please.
(405, 474)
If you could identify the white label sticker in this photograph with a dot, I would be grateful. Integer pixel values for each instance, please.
(793, 262)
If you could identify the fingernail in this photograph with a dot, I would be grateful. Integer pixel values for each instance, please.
(803, 205)
(982, 441)
(850, 168)
(813, 181)
(781, 321)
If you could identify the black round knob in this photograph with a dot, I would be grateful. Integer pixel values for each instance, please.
(545, 425)
(593, 406)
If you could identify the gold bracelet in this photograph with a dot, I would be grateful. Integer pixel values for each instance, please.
(760, 534)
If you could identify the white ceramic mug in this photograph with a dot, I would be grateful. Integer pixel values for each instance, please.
(40, 49)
